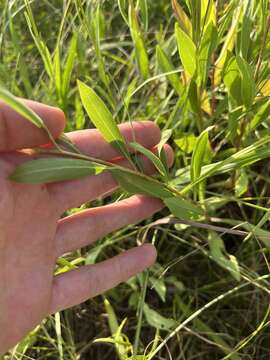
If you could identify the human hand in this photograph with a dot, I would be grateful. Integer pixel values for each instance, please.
(32, 235)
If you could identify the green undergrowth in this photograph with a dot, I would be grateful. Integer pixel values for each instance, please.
(200, 70)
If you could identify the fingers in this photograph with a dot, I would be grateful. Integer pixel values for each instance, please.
(79, 285)
(91, 142)
(84, 228)
(73, 193)
(18, 133)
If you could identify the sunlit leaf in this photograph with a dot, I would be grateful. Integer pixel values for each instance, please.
(102, 118)
(186, 143)
(228, 45)
(137, 37)
(20, 108)
(187, 50)
(182, 17)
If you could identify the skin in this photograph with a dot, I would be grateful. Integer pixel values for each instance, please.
(32, 235)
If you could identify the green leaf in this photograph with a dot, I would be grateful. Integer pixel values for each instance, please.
(151, 156)
(200, 155)
(228, 44)
(102, 118)
(241, 184)
(113, 323)
(57, 71)
(248, 87)
(182, 208)
(159, 286)
(140, 50)
(186, 143)
(138, 184)
(122, 9)
(72, 52)
(232, 81)
(187, 50)
(156, 320)
(144, 10)
(165, 136)
(20, 108)
(54, 169)
(221, 257)
(261, 115)
(166, 66)
(208, 45)
(246, 31)
(182, 17)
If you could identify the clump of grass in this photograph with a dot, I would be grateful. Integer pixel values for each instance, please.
(197, 68)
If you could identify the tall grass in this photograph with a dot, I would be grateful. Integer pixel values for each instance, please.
(197, 68)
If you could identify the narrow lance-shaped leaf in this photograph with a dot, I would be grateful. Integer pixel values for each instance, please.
(156, 320)
(221, 257)
(228, 45)
(144, 10)
(138, 184)
(182, 208)
(54, 169)
(248, 87)
(261, 115)
(182, 17)
(102, 118)
(199, 155)
(166, 66)
(122, 9)
(165, 136)
(41, 46)
(208, 12)
(208, 45)
(187, 50)
(151, 156)
(57, 71)
(72, 52)
(140, 50)
(20, 108)
(232, 81)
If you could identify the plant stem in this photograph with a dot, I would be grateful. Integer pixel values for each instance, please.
(140, 315)
(109, 165)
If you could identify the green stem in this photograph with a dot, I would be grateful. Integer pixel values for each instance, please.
(109, 165)
(140, 315)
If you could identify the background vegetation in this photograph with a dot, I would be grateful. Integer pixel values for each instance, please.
(201, 69)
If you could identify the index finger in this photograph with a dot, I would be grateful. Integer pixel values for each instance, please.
(18, 133)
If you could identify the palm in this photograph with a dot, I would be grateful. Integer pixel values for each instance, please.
(28, 219)
(33, 236)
